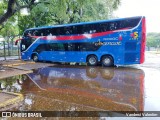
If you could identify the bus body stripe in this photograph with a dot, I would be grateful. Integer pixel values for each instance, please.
(76, 37)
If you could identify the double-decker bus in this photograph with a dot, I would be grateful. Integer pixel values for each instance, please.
(108, 42)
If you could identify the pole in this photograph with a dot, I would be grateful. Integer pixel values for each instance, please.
(18, 51)
(4, 50)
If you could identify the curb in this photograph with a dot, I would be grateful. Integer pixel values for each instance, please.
(19, 98)
(10, 65)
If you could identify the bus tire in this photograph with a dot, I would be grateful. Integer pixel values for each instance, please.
(92, 60)
(35, 58)
(107, 61)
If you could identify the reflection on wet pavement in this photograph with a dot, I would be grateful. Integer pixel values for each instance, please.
(71, 88)
(152, 86)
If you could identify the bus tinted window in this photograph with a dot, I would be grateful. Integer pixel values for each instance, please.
(102, 27)
(60, 47)
(41, 48)
(85, 28)
(74, 30)
(71, 47)
(68, 30)
(88, 46)
(28, 32)
(129, 23)
(89, 29)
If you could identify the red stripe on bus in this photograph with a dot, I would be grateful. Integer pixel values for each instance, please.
(143, 42)
(78, 37)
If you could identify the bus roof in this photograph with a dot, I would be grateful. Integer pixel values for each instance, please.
(83, 23)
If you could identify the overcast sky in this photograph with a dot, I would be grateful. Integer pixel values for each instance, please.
(148, 8)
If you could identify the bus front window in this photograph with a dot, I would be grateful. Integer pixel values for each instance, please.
(26, 42)
(23, 47)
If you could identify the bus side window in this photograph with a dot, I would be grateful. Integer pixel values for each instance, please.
(68, 30)
(58, 31)
(65, 46)
(35, 33)
(113, 26)
(79, 29)
(71, 46)
(40, 48)
(89, 29)
(52, 47)
(29, 33)
(25, 33)
(47, 47)
(60, 47)
(129, 23)
(61, 31)
(53, 31)
(42, 32)
(48, 32)
(98, 27)
(102, 27)
(88, 46)
(117, 25)
(74, 30)
(92, 28)
(82, 47)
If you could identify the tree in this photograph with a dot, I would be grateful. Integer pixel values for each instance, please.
(153, 40)
(14, 6)
(65, 9)
(49, 12)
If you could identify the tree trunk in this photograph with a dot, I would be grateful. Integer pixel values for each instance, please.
(9, 12)
(4, 50)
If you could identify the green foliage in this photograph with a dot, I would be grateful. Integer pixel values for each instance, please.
(153, 40)
(50, 12)
(9, 28)
(3, 7)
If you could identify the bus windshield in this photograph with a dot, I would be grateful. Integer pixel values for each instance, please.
(26, 42)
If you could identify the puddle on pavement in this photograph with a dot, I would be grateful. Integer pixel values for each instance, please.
(152, 88)
(71, 88)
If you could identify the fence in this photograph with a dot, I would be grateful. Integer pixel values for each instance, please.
(8, 48)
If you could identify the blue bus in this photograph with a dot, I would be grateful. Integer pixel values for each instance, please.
(107, 42)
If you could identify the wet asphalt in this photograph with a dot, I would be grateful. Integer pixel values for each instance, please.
(84, 88)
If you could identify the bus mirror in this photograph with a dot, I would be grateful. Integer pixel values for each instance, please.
(17, 41)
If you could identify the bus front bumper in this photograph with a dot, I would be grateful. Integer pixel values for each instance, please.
(25, 56)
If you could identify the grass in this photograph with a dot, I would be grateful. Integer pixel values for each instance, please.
(154, 52)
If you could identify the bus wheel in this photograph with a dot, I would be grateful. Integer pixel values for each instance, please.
(107, 61)
(92, 60)
(35, 58)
